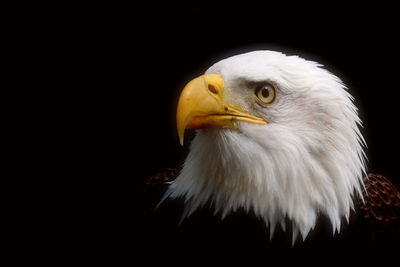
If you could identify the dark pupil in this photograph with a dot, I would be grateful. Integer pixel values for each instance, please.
(265, 92)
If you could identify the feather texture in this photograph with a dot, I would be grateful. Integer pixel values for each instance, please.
(381, 203)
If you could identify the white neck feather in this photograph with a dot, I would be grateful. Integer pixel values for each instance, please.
(278, 179)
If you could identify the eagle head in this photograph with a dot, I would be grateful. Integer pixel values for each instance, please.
(275, 134)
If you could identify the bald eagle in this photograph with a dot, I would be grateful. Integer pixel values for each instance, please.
(279, 136)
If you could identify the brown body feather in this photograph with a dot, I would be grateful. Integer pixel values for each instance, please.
(161, 178)
(381, 205)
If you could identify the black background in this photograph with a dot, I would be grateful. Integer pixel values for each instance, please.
(133, 62)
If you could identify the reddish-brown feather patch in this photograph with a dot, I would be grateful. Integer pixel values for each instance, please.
(382, 200)
(161, 178)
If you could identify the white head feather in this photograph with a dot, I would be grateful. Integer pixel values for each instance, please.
(308, 160)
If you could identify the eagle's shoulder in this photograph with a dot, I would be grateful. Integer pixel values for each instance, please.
(161, 178)
(381, 205)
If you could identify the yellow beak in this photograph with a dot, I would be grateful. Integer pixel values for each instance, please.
(201, 105)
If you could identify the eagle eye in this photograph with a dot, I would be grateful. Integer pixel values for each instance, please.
(265, 93)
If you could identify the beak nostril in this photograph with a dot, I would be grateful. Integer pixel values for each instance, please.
(212, 89)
